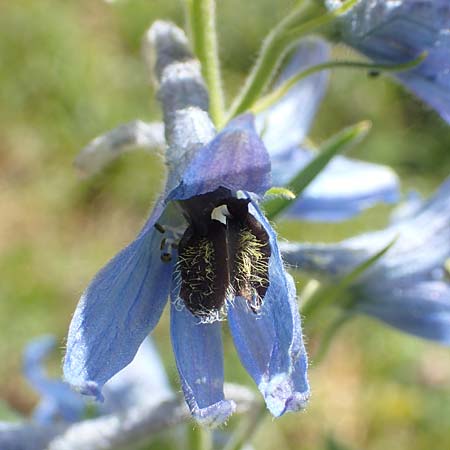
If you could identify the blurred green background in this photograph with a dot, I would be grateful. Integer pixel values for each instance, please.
(71, 70)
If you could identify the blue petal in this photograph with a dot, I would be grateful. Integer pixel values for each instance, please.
(25, 436)
(270, 343)
(235, 159)
(395, 32)
(324, 260)
(343, 189)
(421, 309)
(131, 386)
(198, 353)
(57, 401)
(287, 122)
(117, 311)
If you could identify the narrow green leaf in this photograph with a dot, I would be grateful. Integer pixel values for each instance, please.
(341, 142)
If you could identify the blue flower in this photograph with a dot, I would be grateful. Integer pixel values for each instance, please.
(408, 287)
(394, 32)
(207, 243)
(346, 186)
(128, 388)
(57, 400)
(140, 386)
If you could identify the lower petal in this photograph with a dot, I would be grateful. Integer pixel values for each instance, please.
(198, 352)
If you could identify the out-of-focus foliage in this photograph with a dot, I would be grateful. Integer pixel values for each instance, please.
(71, 70)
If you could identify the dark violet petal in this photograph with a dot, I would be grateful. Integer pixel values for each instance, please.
(117, 311)
(287, 122)
(270, 343)
(132, 385)
(235, 159)
(422, 309)
(343, 189)
(57, 400)
(396, 32)
(199, 357)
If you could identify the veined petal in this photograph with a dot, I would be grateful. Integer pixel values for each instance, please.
(396, 32)
(198, 352)
(270, 343)
(287, 122)
(422, 309)
(133, 384)
(343, 189)
(117, 311)
(57, 401)
(235, 159)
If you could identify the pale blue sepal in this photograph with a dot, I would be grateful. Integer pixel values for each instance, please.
(343, 189)
(287, 122)
(199, 356)
(117, 311)
(26, 436)
(57, 400)
(270, 343)
(422, 309)
(235, 159)
(134, 383)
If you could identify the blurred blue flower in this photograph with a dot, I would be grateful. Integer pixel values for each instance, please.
(408, 287)
(138, 387)
(130, 387)
(57, 400)
(394, 32)
(346, 186)
(208, 244)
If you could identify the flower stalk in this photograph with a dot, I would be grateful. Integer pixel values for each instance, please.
(203, 32)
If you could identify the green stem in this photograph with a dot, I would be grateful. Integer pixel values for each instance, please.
(247, 429)
(202, 25)
(273, 49)
(268, 100)
(200, 438)
(275, 46)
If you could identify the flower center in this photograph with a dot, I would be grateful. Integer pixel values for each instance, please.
(223, 253)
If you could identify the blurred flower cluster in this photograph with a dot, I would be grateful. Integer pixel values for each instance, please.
(209, 247)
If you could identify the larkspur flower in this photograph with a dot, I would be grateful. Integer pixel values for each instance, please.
(61, 412)
(206, 243)
(346, 186)
(409, 286)
(395, 31)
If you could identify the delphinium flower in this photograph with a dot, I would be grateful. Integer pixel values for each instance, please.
(138, 388)
(395, 31)
(206, 243)
(409, 286)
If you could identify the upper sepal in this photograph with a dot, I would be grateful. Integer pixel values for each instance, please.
(235, 159)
